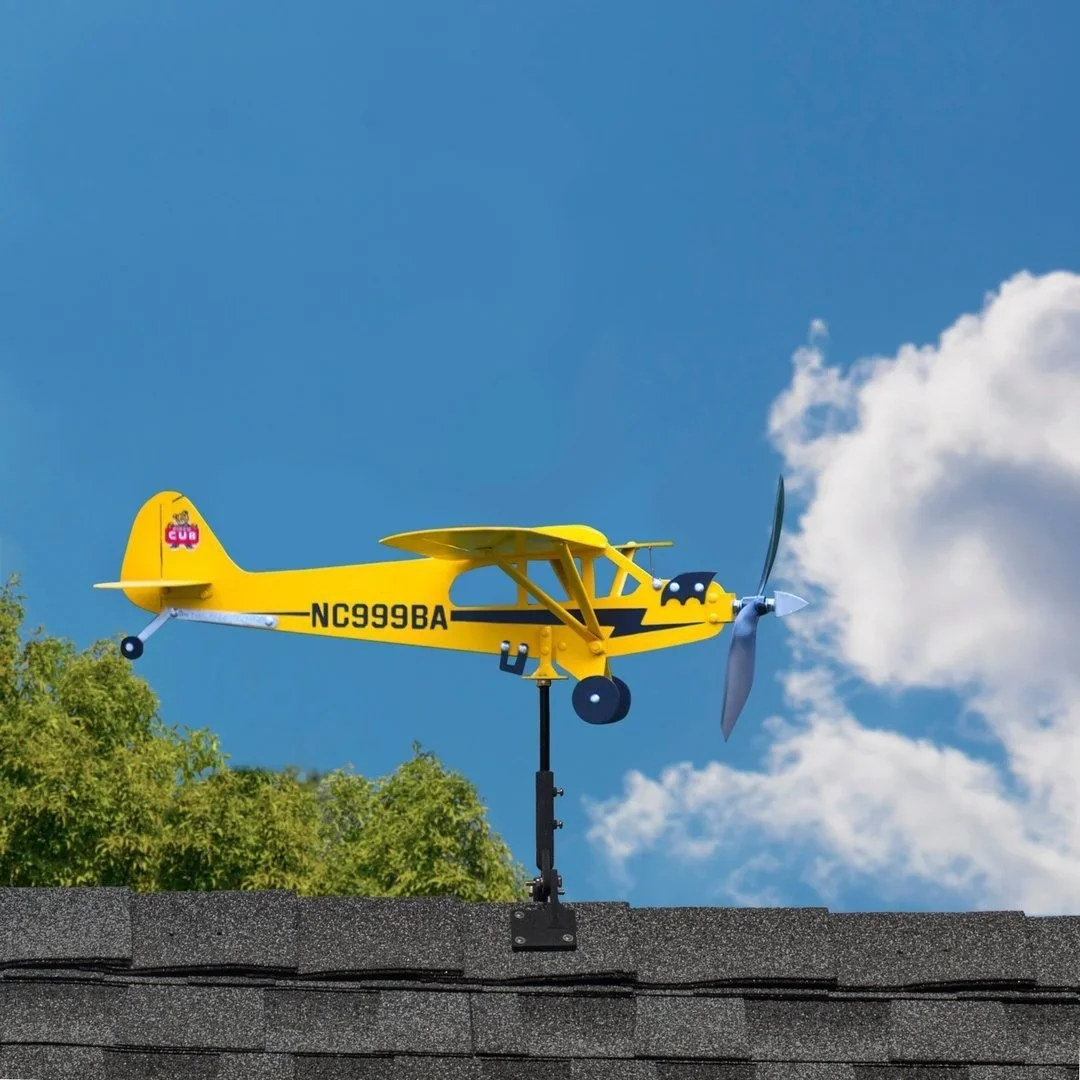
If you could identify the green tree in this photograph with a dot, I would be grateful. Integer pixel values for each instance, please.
(95, 789)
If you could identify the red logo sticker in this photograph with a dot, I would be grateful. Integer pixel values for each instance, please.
(181, 532)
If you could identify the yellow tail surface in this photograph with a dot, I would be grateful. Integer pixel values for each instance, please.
(170, 548)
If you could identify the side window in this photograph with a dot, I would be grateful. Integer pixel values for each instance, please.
(486, 586)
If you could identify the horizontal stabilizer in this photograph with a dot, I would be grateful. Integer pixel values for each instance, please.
(156, 583)
(635, 545)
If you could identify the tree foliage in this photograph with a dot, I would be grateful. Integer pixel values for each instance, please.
(95, 789)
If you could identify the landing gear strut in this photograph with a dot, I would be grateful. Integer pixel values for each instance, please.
(132, 647)
(549, 925)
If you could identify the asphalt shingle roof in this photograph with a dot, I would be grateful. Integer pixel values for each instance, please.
(105, 984)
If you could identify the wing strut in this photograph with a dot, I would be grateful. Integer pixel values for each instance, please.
(575, 586)
(549, 602)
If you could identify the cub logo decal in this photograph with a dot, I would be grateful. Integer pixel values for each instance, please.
(181, 532)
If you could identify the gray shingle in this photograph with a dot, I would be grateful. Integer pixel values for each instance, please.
(1046, 1033)
(540, 1023)
(806, 1030)
(54, 1011)
(437, 1068)
(708, 945)
(950, 1031)
(705, 1070)
(321, 1021)
(136, 1065)
(617, 1069)
(674, 1026)
(917, 948)
(317, 1067)
(76, 924)
(368, 1022)
(911, 1072)
(424, 1021)
(605, 947)
(802, 1070)
(180, 1016)
(52, 1062)
(1022, 1072)
(520, 1069)
(1054, 945)
(256, 1067)
(214, 929)
(356, 935)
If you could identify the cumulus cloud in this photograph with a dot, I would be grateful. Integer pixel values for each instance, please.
(940, 499)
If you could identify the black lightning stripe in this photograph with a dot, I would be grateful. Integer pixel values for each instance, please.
(624, 621)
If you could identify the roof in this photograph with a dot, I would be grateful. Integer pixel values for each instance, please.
(103, 983)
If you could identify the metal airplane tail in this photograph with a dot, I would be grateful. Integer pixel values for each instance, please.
(170, 547)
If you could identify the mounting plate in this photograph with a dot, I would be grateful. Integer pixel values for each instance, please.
(543, 927)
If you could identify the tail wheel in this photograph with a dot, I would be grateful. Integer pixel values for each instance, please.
(598, 700)
(131, 647)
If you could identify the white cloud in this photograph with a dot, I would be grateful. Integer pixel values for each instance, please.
(942, 499)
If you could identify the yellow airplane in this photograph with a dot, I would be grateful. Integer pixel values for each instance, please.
(176, 568)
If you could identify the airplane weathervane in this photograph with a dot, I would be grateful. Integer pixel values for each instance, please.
(176, 568)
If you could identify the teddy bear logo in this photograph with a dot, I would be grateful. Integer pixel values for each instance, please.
(181, 532)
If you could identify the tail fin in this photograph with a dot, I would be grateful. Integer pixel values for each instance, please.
(170, 547)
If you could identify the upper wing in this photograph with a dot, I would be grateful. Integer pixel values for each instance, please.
(502, 543)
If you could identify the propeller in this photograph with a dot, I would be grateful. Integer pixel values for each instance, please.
(749, 609)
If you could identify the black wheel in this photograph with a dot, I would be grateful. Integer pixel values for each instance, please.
(624, 699)
(131, 647)
(597, 700)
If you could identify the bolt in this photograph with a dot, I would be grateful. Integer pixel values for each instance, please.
(519, 941)
(558, 824)
(559, 791)
(568, 938)
(519, 914)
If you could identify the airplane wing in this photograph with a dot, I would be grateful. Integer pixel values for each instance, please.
(539, 544)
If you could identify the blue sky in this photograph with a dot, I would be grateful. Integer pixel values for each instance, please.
(344, 271)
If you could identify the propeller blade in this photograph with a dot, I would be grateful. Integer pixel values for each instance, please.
(785, 603)
(740, 666)
(774, 539)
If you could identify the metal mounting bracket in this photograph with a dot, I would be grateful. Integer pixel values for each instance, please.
(543, 927)
(518, 666)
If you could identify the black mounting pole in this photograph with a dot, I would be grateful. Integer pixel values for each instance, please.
(546, 887)
(551, 924)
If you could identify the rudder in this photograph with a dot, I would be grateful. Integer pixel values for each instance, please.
(170, 539)
(170, 545)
